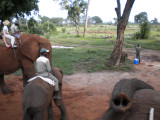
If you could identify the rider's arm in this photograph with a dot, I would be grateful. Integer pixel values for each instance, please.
(48, 66)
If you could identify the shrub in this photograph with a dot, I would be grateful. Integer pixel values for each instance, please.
(49, 27)
(63, 30)
(144, 31)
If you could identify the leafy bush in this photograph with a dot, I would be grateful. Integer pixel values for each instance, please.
(33, 27)
(144, 31)
(49, 27)
(63, 30)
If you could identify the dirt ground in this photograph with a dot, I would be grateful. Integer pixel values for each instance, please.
(86, 95)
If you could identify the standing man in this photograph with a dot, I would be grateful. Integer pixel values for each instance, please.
(138, 50)
(44, 70)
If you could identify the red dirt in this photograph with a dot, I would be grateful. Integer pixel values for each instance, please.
(86, 95)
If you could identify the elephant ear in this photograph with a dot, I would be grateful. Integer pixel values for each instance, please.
(30, 50)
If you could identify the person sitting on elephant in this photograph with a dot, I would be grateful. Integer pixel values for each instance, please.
(15, 29)
(4, 40)
(44, 69)
(7, 34)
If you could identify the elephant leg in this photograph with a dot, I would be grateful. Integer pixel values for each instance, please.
(59, 103)
(4, 88)
(41, 115)
(28, 70)
(50, 112)
(27, 116)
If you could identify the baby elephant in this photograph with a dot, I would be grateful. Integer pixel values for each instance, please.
(37, 99)
(132, 99)
(123, 56)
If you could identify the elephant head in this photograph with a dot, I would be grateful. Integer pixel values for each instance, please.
(22, 57)
(30, 51)
(124, 98)
(37, 99)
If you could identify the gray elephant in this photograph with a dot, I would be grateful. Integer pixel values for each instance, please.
(132, 99)
(37, 99)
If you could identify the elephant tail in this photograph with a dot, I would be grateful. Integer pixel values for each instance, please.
(121, 103)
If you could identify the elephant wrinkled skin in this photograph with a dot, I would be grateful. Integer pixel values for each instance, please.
(132, 99)
(22, 57)
(37, 99)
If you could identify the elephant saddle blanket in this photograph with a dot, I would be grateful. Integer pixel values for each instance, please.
(51, 82)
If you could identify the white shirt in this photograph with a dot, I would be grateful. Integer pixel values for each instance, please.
(4, 29)
(14, 28)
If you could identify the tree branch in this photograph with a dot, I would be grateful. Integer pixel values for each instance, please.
(127, 10)
(118, 10)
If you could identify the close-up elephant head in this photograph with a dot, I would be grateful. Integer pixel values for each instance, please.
(23, 57)
(132, 99)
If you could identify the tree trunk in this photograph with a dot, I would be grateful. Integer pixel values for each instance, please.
(115, 57)
(86, 20)
(27, 24)
(77, 27)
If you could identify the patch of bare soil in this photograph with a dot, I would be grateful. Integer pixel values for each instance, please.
(86, 95)
(109, 32)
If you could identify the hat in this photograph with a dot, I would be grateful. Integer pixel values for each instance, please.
(6, 22)
(43, 50)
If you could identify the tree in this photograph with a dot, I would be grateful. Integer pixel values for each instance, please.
(86, 20)
(57, 21)
(74, 8)
(43, 19)
(155, 21)
(115, 57)
(15, 8)
(141, 17)
(97, 20)
(115, 21)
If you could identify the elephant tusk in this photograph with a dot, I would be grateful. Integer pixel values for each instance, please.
(151, 114)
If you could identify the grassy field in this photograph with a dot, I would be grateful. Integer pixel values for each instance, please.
(90, 54)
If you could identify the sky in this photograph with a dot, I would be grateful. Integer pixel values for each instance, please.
(105, 9)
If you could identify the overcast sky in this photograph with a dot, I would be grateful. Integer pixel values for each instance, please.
(104, 9)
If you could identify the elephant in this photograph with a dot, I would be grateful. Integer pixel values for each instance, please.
(22, 57)
(37, 99)
(123, 56)
(132, 99)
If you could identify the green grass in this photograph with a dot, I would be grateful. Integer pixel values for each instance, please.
(91, 53)
(77, 59)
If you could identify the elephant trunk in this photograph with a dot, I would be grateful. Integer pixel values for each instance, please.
(121, 103)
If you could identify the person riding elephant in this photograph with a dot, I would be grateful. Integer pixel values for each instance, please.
(15, 29)
(37, 98)
(4, 39)
(23, 57)
(44, 70)
(129, 98)
(7, 34)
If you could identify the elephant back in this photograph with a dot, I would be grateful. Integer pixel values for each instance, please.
(36, 93)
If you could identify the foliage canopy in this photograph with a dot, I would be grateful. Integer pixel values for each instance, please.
(13, 8)
(141, 17)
